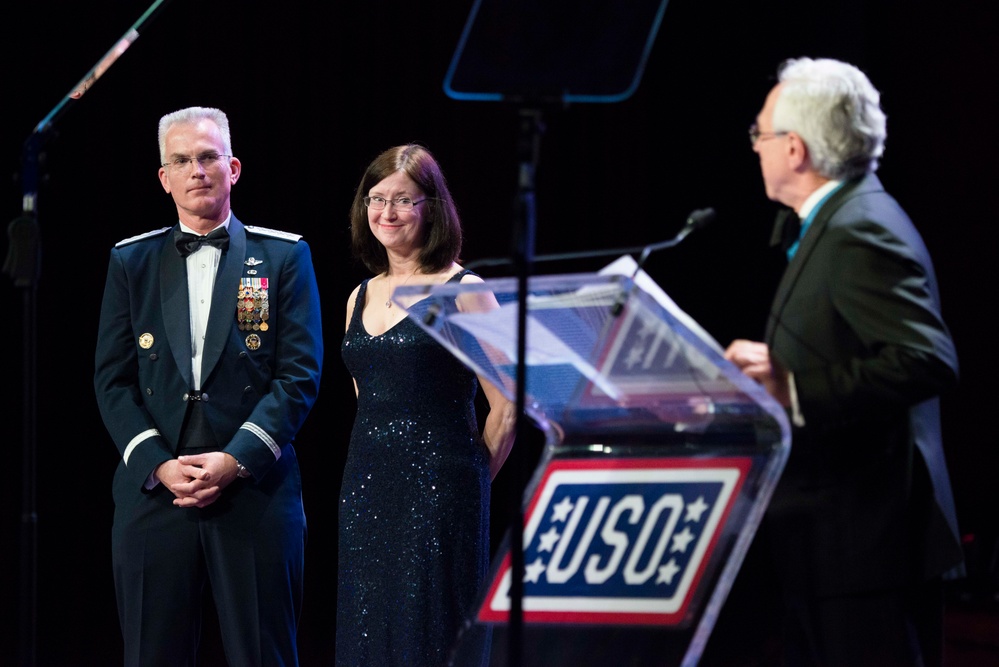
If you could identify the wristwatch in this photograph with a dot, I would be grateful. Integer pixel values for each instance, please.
(242, 471)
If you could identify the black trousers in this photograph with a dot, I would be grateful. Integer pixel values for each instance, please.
(247, 547)
(761, 625)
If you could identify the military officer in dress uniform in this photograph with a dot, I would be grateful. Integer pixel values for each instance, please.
(208, 362)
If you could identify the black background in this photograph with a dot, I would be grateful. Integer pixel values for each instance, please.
(315, 90)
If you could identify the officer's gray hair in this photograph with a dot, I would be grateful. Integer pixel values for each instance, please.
(193, 115)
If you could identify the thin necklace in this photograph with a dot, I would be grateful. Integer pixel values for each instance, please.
(388, 299)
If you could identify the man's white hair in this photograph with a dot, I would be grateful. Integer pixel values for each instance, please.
(836, 111)
(193, 115)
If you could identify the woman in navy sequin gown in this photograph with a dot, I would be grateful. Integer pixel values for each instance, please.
(414, 504)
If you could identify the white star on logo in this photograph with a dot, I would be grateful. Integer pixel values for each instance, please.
(667, 572)
(549, 540)
(696, 509)
(646, 329)
(561, 511)
(681, 540)
(635, 355)
(533, 571)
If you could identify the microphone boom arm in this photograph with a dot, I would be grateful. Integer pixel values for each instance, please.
(697, 219)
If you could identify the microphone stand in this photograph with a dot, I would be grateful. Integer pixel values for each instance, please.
(523, 259)
(531, 129)
(695, 220)
(23, 265)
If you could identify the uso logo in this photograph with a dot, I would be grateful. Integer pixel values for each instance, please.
(619, 541)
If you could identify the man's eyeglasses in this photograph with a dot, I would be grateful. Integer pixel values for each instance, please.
(756, 135)
(402, 204)
(206, 160)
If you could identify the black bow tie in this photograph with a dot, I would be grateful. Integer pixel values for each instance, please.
(188, 243)
(787, 228)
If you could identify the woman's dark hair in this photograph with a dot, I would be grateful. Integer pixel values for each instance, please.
(442, 229)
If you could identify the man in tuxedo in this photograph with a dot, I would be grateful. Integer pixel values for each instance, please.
(861, 528)
(208, 361)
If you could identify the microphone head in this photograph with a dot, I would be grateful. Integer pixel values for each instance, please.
(700, 218)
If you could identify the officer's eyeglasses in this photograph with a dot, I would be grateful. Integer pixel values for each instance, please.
(206, 160)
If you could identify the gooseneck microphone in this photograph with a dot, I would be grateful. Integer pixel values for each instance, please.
(696, 220)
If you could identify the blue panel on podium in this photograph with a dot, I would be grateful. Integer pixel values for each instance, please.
(621, 540)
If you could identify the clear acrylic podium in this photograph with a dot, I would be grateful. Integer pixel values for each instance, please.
(659, 460)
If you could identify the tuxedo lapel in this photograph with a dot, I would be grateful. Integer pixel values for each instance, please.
(223, 310)
(806, 247)
(176, 309)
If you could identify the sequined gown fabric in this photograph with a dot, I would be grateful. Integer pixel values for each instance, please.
(414, 504)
